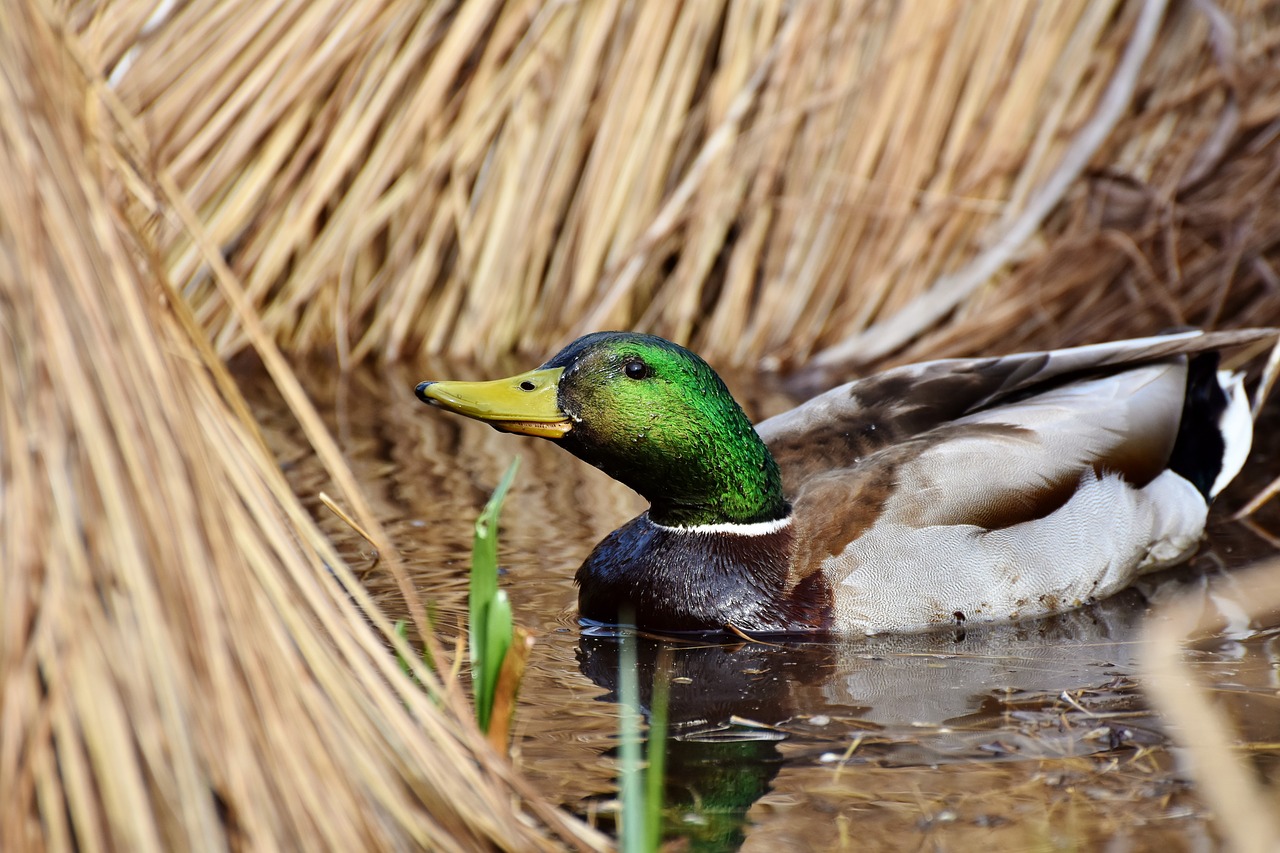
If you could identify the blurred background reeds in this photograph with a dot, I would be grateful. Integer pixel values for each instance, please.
(782, 184)
(766, 180)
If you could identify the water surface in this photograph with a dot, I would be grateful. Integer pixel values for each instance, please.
(1024, 736)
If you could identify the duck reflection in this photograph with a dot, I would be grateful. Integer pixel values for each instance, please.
(732, 704)
(721, 751)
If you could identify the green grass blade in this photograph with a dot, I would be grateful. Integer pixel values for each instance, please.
(497, 635)
(657, 749)
(402, 631)
(633, 836)
(489, 618)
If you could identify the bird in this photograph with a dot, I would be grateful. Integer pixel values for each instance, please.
(929, 495)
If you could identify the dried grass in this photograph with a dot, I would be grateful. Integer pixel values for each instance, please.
(767, 180)
(774, 182)
(1217, 758)
(179, 669)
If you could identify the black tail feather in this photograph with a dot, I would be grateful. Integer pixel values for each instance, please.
(1199, 449)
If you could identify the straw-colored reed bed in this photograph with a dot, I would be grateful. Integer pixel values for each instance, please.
(769, 180)
(773, 181)
(179, 670)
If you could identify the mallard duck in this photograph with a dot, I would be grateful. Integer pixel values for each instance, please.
(984, 489)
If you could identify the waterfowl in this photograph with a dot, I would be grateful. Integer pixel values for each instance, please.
(984, 489)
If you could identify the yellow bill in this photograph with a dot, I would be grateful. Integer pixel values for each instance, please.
(524, 404)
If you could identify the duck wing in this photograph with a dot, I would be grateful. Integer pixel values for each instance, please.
(841, 426)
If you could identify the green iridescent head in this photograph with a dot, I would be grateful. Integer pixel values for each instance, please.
(647, 412)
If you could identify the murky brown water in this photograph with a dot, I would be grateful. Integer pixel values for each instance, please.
(1031, 736)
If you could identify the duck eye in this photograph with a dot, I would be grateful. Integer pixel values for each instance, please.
(637, 369)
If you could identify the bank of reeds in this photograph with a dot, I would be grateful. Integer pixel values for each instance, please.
(179, 669)
(776, 181)
(772, 181)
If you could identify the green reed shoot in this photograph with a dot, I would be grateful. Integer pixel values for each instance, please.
(655, 776)
(640, 788)
(402, 631)
(490, 629)
(498, 649)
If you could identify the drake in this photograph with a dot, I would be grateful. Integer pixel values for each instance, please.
(983, 489)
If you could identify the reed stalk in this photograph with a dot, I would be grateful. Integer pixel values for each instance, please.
(180, 669)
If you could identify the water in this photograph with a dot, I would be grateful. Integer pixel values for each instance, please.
(1026, 736)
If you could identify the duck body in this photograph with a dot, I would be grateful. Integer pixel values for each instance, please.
(967, 489)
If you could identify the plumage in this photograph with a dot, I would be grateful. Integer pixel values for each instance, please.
(966, 489)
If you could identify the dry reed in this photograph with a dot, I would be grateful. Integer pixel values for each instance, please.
(768, 180)
(180, 671)
(771, 181)
(1245, 807)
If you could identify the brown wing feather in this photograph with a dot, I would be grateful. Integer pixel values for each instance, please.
(851, 422)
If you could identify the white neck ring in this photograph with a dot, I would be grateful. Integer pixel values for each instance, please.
(759, 528)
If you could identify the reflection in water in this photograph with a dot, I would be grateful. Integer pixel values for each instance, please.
(716, 767)
(1000, 737)
(1047, 691)
(907, 700)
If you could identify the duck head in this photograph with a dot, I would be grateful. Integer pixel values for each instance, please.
(649, 413)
